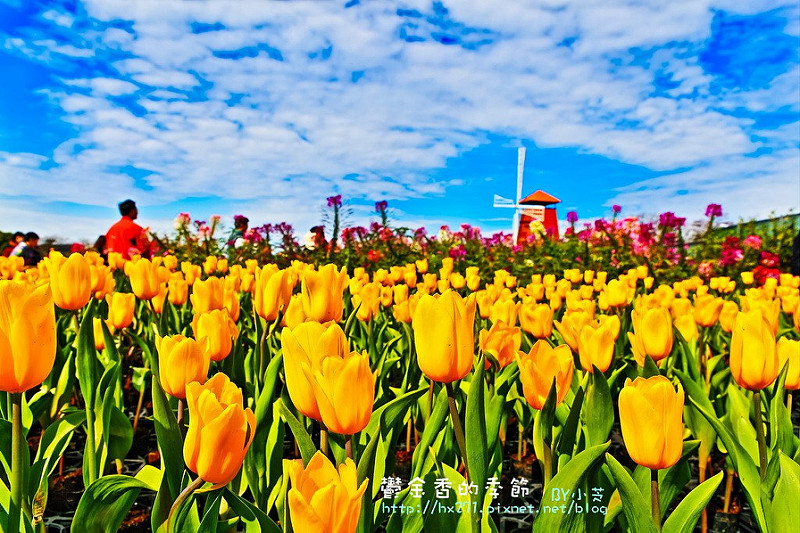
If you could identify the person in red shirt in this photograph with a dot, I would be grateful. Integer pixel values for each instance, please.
(126, 236)
(17, 238)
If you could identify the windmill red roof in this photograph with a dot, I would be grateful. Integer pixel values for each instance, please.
(539, 198)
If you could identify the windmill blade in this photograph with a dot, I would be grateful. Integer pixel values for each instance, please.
(520, 170)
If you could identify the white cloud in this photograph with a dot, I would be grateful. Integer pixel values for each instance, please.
(300, 125)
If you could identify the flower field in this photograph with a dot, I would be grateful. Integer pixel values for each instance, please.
(615, 380)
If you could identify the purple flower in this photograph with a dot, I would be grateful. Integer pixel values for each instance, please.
(335, 201)
(616, 208)
(714, 210)
(599, 224)
(572, 216)
(381, 206)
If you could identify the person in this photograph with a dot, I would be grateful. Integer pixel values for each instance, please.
(125, 236)
(17, 238)
(240, 223)
(30, 253)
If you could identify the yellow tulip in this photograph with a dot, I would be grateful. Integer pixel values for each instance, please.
(210, 265)
(70, 280)
(537, 319)
(651, 419)
(215, 331)
(220, 429)
(571, 325)
(192, 272)
(27, 335)
(387, 296)
(504, 310)
(707, 309)
(145, 280)
(116, 261)
(753, 357)
(540, 367)
(273, 291)
(177, 291)
(345, 392)
(687, 327)
(304, 348)
(443, 335)
(182, 360)
(400, 293)
(120, 309)
(596, 345)
(652, 334)
(618, 293)
(727, 317)
(748, 278)
(680, 307)
(99, 338)
(158, 299)
(422, 265)
(294, 315)
(323, 498)
(457, 281)
(106, 287)
(368, 301)
(208, 295)
(789, 350)
(322, 293)
(404, 311)
(501, 341)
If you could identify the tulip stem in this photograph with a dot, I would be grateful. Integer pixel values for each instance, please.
(20, 458)
(789, 402)
(138, 408)
(462, 445)
(194, 485)
(520, 432)
(348, 446)
(656, 507)
(180, 415)
(726, 504)
(323, 441)
(762, 441)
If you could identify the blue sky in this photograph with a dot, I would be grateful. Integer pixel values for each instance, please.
(266, 108)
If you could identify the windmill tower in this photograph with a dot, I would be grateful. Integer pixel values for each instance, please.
(532, 208)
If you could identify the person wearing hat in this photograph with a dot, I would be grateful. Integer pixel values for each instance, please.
(126, 236)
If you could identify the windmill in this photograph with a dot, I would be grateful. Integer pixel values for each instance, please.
(529, 209)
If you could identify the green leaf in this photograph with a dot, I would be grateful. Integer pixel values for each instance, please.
(170, 446)
(304, 442)
(87, 363)
(475, 432)
(569, 478)
(254, 517)
(634, 505)
(650, 368)
(783, 513)
(598, 416)
(432, 429)
(103, 506)
(684, 518)
(566, 441)
(211, 513)
(780, 421)
(393, 412)
(744, 466)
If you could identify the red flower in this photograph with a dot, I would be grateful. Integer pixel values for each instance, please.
(373, 255)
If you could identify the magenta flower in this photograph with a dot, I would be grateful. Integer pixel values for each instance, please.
(381, 206)
(335, 201)
(572, 216)
(616, 208)
(714, 210)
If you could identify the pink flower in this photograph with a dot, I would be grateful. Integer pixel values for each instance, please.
(752, 241)
(335, 201)
(572, 216)
(616, 208)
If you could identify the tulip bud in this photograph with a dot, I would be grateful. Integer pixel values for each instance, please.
(182, 360)
(537, 319)
(570, 327)
(215, 332)
(70, 280)
(304, 348)
(309, 512)
(727, 317)
(345, 392)
(596, 345)
(443, 336)
(707, 309)
(652, 334)
(220, 429)
(145, 280)
(120, 309)
(27, 335)
(753, 358)
(208, 295)
(501, 341)
(651, 418)
(294, 315)
(504, 311)
(789, 350)
(273, 291)
(540, 367)
(322, 293)
(368, 301)
(177, 291)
